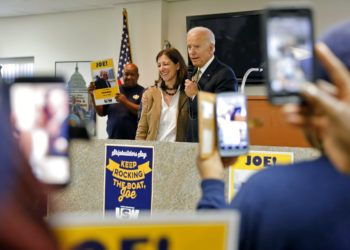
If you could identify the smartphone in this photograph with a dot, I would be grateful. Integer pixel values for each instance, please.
(289, 55)
(39, 111)
(231, 124)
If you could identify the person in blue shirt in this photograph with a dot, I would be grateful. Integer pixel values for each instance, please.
(305, 205)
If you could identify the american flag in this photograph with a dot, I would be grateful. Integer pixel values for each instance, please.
(125, 51)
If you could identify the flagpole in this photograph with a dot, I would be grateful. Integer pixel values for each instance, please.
(125, 13)
(125, 54)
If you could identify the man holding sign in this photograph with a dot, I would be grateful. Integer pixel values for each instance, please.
(122, 116)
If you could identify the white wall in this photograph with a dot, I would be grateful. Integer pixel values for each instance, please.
(92, 35)
(86, 35)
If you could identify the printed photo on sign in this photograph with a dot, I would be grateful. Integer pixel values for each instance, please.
(103, 70)
(240, 176)
(128, 180)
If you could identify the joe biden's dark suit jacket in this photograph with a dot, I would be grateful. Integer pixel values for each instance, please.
(218, 77)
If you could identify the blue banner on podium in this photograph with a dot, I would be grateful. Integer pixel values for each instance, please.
(128, 180)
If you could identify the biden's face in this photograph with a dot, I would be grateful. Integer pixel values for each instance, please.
(199, 48)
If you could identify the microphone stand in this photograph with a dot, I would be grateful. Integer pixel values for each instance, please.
(246, 76)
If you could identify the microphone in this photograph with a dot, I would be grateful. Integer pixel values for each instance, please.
(190, 71)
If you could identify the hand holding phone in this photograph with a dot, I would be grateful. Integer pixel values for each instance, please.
(288, 52)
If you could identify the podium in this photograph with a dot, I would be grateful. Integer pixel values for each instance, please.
(269, 127)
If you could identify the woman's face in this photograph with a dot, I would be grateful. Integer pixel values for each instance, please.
(167, 69)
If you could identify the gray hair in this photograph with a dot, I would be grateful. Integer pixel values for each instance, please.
(208, 33)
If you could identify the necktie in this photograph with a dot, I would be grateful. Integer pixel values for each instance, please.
(197, 76)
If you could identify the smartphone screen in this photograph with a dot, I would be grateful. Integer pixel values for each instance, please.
(231, 120)
(39, 112)
(289, 52)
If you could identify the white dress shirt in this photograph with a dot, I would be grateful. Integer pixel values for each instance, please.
(204, 68)
(168, 119)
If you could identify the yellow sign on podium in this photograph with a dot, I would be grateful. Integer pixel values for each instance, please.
(247, 165)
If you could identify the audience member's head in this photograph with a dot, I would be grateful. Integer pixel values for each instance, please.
(200, 45)
(130, 75)
(328, 106)
(336, 39)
